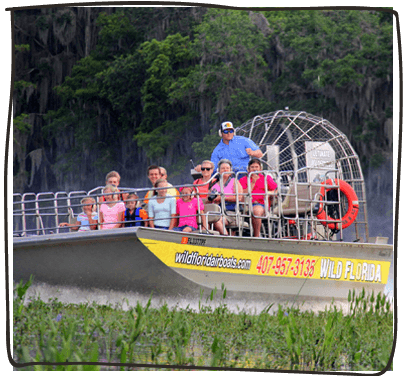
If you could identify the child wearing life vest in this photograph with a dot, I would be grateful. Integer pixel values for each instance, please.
(134, 215)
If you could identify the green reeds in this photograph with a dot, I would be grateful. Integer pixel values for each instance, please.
(56, 336)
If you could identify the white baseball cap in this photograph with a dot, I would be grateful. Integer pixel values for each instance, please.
(226, 125)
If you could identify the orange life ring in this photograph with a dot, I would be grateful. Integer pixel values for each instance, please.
(353, 205)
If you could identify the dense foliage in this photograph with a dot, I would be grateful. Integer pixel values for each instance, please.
(281, 339)
(160, 80)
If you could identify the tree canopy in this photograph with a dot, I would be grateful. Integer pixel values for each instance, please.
(164, 90)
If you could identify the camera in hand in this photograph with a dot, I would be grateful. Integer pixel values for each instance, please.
(213, 195)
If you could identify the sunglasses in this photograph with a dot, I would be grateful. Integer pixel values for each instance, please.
(228, 131)
(206, 168)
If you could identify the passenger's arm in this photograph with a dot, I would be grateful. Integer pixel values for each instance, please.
(233, 198)
(240, 191)
(74, 227)
(173, 212)
(172, 222)
(217, 199)
(150, 213)
(92, 222)
(254, 153)
(121, 218)
(204, 221)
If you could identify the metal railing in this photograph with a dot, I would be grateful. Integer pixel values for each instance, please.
(292, 213)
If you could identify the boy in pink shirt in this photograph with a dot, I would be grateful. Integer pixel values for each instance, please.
(187, 209)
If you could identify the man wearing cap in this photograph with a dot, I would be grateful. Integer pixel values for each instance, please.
(237, 149)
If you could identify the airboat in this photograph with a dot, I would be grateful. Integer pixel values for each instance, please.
(314, 239)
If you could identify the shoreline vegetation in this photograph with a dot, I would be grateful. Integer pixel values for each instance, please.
(91, 336)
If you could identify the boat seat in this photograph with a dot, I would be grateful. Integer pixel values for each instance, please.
(298, 200)
(72, 219)
(233, 225)
(213, 213)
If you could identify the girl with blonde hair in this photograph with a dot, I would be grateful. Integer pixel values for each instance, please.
(112, 210)
(87, 219)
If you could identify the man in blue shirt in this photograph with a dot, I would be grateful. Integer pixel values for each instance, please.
(237, 149)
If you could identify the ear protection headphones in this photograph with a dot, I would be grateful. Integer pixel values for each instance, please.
(221, 125)
(191, 188)
(224, 161)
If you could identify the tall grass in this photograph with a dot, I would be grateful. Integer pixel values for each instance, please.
(56, 336)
